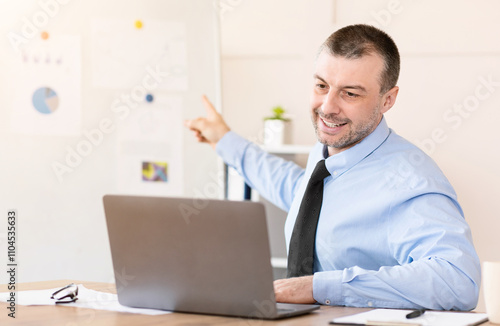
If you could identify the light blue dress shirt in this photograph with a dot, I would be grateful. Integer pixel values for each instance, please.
(391, 232)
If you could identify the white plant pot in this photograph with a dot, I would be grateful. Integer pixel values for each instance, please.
(274, 132)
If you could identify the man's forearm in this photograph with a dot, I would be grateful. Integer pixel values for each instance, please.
(273, 177)
(427, 283)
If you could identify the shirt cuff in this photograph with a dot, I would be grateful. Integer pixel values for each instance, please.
(327, 288)
(231, 148)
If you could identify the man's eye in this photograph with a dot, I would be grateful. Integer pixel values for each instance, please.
(349, 94)
(321, 86)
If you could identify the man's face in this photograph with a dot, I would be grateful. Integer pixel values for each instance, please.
(346, 104)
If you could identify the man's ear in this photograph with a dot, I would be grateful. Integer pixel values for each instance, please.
(389, 98)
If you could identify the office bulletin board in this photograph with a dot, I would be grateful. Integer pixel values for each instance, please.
(93, 99)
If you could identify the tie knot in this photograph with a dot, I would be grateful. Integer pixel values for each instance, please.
(320, 172)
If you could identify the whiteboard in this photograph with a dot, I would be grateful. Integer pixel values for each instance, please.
(65, 137)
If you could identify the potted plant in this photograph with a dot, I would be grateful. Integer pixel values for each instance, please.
(275, 127)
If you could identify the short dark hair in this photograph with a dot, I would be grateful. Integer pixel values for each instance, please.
(356, 41)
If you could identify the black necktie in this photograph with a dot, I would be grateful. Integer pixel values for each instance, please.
(301, 250)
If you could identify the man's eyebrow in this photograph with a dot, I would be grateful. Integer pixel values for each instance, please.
(358, 87)
(318, 77)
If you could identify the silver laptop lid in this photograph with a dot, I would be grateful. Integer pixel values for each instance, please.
(191, 255)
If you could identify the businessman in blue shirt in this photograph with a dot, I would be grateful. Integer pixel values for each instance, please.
(390, 231)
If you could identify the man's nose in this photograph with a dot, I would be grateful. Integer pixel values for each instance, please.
(330, 104)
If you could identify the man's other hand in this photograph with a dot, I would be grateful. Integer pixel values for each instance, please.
(294, 290)
(210, 129)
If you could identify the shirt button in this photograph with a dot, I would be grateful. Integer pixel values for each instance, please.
(370, 304)
(327, 301)
(335, 173)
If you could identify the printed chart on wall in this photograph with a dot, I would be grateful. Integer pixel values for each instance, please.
(150, 148)
(123, 49)
(47, 94)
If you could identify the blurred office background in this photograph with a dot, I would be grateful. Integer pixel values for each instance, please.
(448, 104)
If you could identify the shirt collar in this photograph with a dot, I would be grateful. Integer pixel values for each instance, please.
(339, 163)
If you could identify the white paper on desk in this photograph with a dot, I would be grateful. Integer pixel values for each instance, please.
(86, 299)
(434, 318)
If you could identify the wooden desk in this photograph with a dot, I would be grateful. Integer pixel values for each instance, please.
(71, 316)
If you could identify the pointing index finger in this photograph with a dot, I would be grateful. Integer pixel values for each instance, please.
(211, 111)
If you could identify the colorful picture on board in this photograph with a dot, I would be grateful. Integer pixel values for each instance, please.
(155, 171)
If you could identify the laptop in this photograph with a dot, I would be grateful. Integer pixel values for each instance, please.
(194, 255)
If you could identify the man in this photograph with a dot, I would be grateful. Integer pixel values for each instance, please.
(390, 232)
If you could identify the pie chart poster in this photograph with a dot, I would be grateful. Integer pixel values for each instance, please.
(48, 92)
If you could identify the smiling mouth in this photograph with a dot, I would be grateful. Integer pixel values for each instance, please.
(333, 125)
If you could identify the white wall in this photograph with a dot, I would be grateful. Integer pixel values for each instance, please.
(447, 48)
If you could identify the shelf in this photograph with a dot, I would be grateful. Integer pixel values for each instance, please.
(278, 262)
